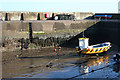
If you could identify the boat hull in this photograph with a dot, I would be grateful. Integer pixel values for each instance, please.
(96, 49)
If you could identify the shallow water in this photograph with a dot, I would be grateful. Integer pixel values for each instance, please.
(63, 65)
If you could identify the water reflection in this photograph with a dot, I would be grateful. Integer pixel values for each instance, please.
(93, 62)
(31, 63)
(83, 69)
(116, 67)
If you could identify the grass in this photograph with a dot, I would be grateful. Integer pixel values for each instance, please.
(65, 31)
(35, 32)
(68, 30)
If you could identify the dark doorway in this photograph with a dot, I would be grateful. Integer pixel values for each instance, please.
(22, 18)
(6, 17)
(53, 16)
(38, 17)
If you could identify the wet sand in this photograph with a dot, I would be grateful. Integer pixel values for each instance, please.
(47, 64)
(36, 53)
(20, 61)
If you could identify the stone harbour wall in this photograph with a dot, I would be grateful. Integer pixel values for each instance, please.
(15, 34)
(12, 16)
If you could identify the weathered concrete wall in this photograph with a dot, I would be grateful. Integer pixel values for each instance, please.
(56, 32)
(14, 16)
(85, 15)
(47, 27)
(30, 15)
(1, 15)
(0, 33)
(96, 31)
(102, 31)
(82, 15)
(11, 16)
(20, 29)
(37, 26)
(14, 29)
(5, 17)
(77, 15)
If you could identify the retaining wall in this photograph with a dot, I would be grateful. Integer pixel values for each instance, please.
(20, 29)
(56, 32)
(11, 16)
(96, 31)
(100, 32)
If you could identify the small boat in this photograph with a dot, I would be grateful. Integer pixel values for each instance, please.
(84, 47)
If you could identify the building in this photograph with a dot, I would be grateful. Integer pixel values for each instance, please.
(119, 7)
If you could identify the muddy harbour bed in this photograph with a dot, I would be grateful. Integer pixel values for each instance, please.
(64, 63)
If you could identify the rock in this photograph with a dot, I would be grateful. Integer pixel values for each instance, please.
(49, 65)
